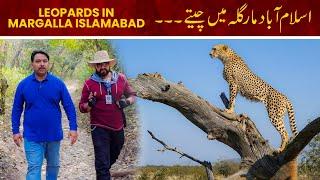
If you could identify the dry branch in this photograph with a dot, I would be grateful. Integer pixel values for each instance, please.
(236, 131)
(206, 164)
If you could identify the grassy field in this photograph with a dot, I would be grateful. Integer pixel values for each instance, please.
(193, 172)
(220, 169)
(172, 173)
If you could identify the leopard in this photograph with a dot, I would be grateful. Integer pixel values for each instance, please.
(241, 79)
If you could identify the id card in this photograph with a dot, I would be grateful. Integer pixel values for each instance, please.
(108, 99)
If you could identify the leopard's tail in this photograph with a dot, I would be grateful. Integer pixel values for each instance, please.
(292, 120)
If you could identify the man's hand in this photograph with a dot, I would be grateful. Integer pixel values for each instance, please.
(92, 99)
(17, 138)
(73, 136)
(123, 103)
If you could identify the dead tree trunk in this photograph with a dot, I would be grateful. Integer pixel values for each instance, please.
(3, 89)
(258, 159)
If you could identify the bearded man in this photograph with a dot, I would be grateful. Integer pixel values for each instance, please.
(104, 95)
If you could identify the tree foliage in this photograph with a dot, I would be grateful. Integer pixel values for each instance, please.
(68, 58)
(310, 161)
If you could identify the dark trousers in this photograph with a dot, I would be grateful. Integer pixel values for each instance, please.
(107, 146)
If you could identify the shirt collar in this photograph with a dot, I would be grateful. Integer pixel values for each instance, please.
(48, 77)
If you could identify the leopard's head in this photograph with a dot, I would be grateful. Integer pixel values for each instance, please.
(222, 52)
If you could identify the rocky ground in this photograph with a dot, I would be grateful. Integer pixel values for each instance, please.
(77, 161)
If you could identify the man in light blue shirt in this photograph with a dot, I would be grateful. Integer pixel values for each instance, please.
(39, 96)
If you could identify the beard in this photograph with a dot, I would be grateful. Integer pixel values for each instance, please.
(103, 72)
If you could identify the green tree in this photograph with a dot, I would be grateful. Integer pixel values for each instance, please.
(68, 57)
(310, 161)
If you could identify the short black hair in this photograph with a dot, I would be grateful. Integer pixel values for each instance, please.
(34, 53)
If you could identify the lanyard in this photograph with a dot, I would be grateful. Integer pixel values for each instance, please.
(108, 87)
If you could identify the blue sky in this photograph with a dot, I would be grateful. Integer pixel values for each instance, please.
(290, 66)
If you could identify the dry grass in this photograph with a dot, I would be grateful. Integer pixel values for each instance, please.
(171, 173)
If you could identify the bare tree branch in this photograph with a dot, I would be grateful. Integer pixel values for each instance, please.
(236, 131)
(174, 149)
(221, 126)
(300, 141)
(206, 164)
